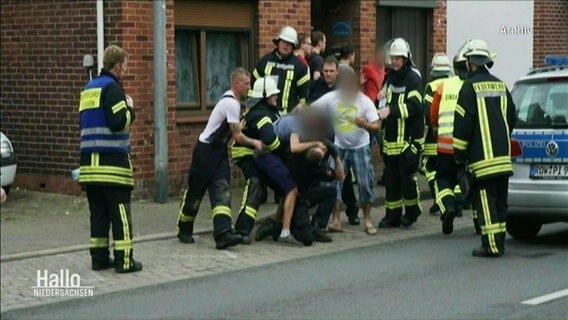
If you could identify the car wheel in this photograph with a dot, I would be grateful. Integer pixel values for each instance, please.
(6, 189)
(522, 228)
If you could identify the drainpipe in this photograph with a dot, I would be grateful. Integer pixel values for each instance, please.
(100, 35)
(160, 108)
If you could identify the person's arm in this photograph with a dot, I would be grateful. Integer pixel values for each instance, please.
(118, 114)
(435, 107)
(427, 103)
(296, 146)
(232, 108)
(267, 135)
(463, 122)
(370, 119)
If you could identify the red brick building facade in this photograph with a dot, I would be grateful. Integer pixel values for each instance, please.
(43, 44)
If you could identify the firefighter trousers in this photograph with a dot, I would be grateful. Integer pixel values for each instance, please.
(324, 197)
(110, 207)
(428, 168)
(209, 171)
(252, 195)
(448, 194)
(401, 189)
(490, 204)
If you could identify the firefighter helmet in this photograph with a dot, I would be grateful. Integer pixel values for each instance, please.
(399, 47)
(441, 63)
(287, 34)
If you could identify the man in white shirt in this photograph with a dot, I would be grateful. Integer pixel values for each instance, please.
(355, 116)
(210, 168)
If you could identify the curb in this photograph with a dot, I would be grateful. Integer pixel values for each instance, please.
(424, 194)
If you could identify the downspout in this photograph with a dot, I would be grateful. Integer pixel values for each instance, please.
(100, 35)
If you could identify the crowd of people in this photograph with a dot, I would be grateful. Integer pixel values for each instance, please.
(306, 133)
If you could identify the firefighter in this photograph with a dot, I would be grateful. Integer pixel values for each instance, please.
(403, 138)
(484, 120)
(105, 114)
(210, 168)
(441, 69)
(258, 124)
(448, 194)
(291, 76)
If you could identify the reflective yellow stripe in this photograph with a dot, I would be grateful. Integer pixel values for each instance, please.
(393, 204)
(430, 149)
(251, 212)
(95, 158)
(400, 121)
(302, 101)
(262, 122)
(127, 237)
(428, 98)
(493, 170)
(460, 144)
(487, 216)
(303, 80)
(460, 110)
(122, 244)
(286, 91)
(403, 110)
(239, 152)
(414, 93)
(221, 210)
(274, 145)
(90, 99)
(244, 198)
(392, 148)
(119, 106)
(106, 178)
(99, 243)
(486, 142)
(411, 202)
(105, 170)
(128, 119)
(255, 74)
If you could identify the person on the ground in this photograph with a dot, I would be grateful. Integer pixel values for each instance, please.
(315, 60)
(210, 169)
(403, 138)
(355, 116)
(448, 194)
(105, 116)
(484, 120)
(289, 73)
(441, 70)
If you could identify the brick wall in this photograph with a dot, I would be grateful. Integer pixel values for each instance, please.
(438, 31)
(550, 29)
(272, 15)
(43, 44)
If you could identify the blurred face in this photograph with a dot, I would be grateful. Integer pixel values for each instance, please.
(397, 62)
(285, 48)
(380, 56)
(330, 73)
(349, 85)
(242, 85)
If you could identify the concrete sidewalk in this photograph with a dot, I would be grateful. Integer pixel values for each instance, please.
(37, 224)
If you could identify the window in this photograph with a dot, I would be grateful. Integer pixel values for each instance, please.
(204, 60)
(541, 105)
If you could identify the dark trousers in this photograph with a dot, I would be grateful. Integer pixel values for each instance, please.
(209, 171)
(400, 189)
(348, 196)
(110, 206)
(322, 196)
(429, 170)
(448, 195)
(490, 203)
(300, 227)
(252, 195)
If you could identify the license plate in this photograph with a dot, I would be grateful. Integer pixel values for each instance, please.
(549, 171)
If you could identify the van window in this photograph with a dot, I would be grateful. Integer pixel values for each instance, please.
(541, 105)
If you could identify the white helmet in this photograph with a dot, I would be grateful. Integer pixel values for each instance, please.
(441, 63)
(399, 47)
(477, 47)
(264, 88)
(287, 34)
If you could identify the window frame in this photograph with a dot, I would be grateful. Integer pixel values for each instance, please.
(200, 111)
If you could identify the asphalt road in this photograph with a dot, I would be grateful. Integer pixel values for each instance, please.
(431, 277)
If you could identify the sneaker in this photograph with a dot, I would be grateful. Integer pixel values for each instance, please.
(228, 239)
(319, 235)
(289, 241)
(135, 266)
(448, 222)
(102, 265)
(185, 238)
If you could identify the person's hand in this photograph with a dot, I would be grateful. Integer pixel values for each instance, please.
(242, 124)
(330, 147)
(321, 145)
(381, 95)
(258, 145)
(384, 113)
(360, 122)
(3, 196)
(362, 78)
(129, 101)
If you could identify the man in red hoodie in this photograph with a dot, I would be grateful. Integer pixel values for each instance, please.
(373, 74)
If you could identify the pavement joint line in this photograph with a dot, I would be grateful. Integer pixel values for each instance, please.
(425, 194)
(429, 230)
(547, 297)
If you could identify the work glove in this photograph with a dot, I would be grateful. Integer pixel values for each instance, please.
(330, 148)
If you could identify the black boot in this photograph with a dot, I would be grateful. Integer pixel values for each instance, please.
(183, 238)
(483, 253)
(319, 235)
(407, 221)
(135, 266)
(434, 209)
(386, 223)
(102, 265)
(264, 230)
(448, 222)
(228, 239)
(246, 239)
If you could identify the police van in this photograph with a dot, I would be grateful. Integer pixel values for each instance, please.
(538, 190)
